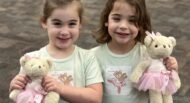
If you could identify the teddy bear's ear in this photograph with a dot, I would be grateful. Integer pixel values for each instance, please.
(23, 60)
(158, 34)
(173, 40)
(49, 63)
(147, 41)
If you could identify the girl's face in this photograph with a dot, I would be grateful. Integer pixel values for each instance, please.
(121, 23)
(63, 27)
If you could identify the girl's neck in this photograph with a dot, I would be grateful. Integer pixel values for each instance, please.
(121, 48)
(60, 53)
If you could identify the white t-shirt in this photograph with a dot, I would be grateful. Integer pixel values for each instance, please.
(79, 69)
(115, 70)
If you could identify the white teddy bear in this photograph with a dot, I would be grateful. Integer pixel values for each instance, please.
(35, 69)
(151, 74)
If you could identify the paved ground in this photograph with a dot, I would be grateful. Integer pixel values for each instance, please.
(20, 32)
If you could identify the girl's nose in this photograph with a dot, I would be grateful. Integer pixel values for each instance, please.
(64, 31)
(124, 25)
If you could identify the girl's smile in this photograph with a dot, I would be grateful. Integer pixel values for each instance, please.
(123, 34)
(63, 38)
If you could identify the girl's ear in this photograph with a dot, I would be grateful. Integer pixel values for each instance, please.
(106, 24)
(43, 23)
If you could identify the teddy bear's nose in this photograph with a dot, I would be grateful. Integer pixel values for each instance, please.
(164, 46)
(39, 66)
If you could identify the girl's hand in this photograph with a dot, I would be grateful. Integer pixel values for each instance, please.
(19, 82)
(49, 83)
(171, 63)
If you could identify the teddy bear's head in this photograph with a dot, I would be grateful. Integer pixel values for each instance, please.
(35, 67)
(159, 46)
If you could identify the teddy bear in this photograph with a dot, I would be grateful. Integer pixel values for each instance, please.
(35, 68)
(151, 75)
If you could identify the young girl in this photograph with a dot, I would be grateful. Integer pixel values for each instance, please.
(122, 31)
(77, 69)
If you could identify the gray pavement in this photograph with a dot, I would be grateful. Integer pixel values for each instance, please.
(20, 32)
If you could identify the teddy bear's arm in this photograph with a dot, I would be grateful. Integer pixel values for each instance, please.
(177, 83)
(13, 94)
(138, 70)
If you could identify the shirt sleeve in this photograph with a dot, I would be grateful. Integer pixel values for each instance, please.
(93, 72)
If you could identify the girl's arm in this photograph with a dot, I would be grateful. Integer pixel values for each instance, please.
(90, 94)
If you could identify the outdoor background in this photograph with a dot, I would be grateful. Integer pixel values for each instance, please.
(20, 32)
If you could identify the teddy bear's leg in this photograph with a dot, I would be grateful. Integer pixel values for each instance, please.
(167, 98)
(13, 94)
(51, 97)
(155, 97)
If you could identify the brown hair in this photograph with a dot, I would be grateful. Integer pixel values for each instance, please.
(143, 20)
(51, 5)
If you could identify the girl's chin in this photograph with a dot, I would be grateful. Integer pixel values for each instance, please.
(64, 46)
(123, 40)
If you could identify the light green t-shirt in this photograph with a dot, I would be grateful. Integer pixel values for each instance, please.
(79, 69)
(115, 70)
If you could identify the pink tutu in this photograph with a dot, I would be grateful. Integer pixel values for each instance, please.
(30, 96)
(160, 81)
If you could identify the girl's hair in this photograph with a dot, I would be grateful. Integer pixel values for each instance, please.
(143, 20)
(51, 5)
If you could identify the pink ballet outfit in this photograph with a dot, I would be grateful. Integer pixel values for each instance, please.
(34, 95)
(158, 78)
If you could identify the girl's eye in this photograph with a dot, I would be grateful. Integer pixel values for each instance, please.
(72, 23)
(57, 23)
(116, 19)
(132, 21)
